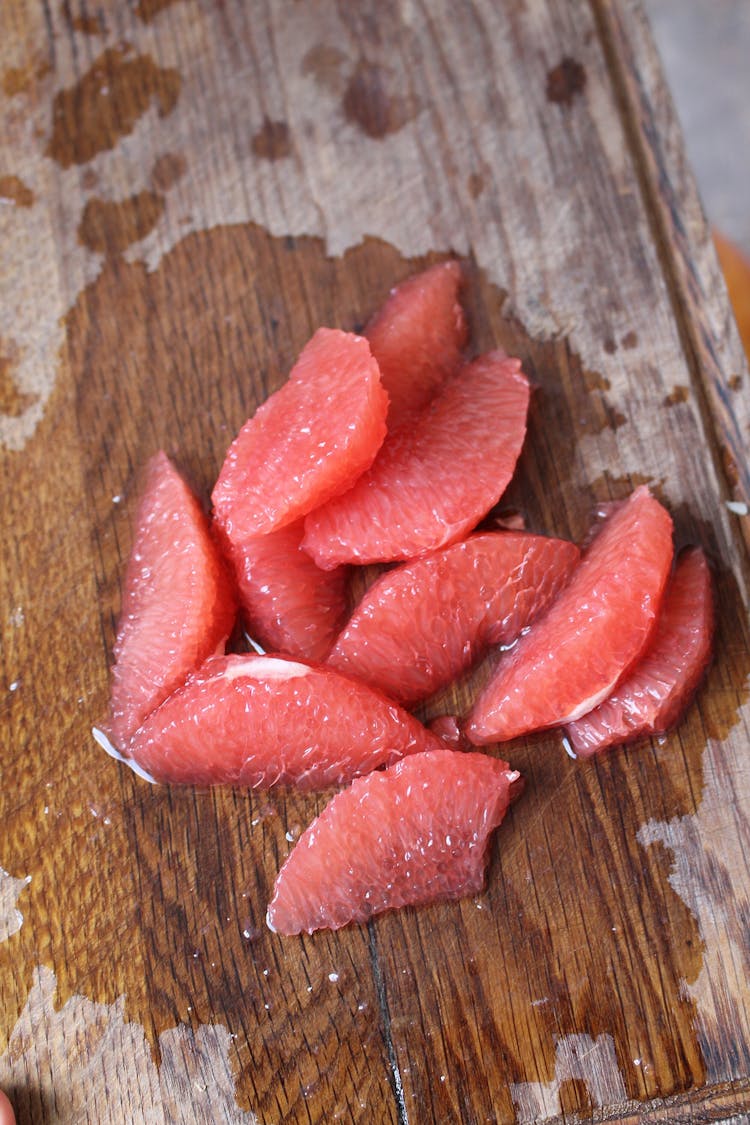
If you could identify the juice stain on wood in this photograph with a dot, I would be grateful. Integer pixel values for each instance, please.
(565, 82)
(729, 464)
(23, 79)
(168, 170)
(106, 103)
(679, 393)
(13, 400)
(110, 226)
(371, 103)
(272, 141)
(147, 10)
(475, 184)
(325, 64)
(14, 190)
(83, 23)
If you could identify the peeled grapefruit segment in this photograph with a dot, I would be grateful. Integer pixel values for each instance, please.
(308, 441)
(290, 605)
(417, 336)
(429, 485)
(656, 693)
(591, 635)
(260, 721)
(178, 604)
(415, 833)
(424, 623)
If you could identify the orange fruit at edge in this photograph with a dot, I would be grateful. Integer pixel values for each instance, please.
(736, 269)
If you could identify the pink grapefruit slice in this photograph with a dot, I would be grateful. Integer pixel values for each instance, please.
(259, 721)
(289, 604)
(428, 487)
(417, 336)
(307, 442)
(424, 623)
(178, 604)
(654, 696)
(591, 635)
(415, 833)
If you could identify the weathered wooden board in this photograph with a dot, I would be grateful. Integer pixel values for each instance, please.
(188, 189)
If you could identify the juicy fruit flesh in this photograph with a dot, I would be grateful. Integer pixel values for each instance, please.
(652, 698)
(428, 488)
(417, 336)
(290, 605)
(419, 831)
(423, 624)
(178, 605)
(593, 633)
(308, 442)
(259, 721)
(415, 833)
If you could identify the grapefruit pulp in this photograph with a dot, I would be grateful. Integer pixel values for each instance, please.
(415, 833)
(592, 634)
(178, 604)
(307, 442)
(428, 487)
(259, 721)
(290, 605)
(424, 623)
(655, 694)
(417, 336)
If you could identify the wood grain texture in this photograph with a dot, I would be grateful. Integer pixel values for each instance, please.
(188, 190)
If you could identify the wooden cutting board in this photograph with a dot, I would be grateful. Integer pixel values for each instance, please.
(187, 190)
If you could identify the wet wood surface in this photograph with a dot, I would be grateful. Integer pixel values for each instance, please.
(187, 190)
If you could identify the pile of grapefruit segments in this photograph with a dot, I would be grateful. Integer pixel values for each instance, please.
(390, 448)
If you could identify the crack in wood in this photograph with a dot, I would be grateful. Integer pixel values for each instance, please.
(385, 1015)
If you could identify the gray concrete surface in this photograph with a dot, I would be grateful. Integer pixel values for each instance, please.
(705, 48)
